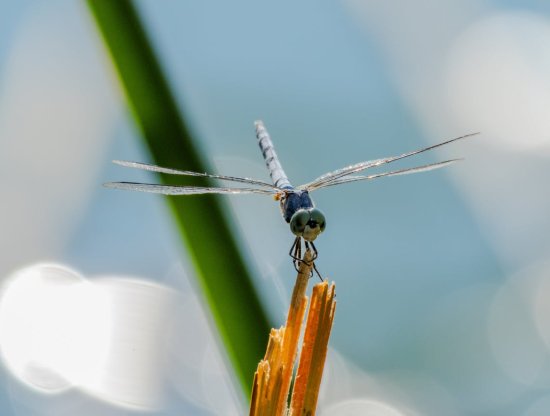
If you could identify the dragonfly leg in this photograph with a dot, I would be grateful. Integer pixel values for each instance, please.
(315, 255)
(312, 261)
(295, 252)
(317, 271)
(298, 254)
(314, 251)
(306, 243)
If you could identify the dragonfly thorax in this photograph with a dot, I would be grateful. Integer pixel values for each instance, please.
(294, 200)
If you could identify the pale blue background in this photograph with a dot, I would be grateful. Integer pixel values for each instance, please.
(416, 267)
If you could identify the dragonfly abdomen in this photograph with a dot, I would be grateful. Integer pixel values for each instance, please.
(278, 175)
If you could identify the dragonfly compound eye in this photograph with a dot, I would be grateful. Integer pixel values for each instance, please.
(315, 225)
(316, 217)
(299, 221)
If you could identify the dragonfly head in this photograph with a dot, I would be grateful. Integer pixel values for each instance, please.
(307, 223)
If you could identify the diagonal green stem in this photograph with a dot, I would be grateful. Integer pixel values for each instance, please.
(202, 221)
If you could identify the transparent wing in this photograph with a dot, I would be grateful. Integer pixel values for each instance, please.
(328, 178)
(185, 190)
(407, 171)
(159, 169)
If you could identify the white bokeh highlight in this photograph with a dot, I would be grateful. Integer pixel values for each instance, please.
(497, 80)
(36, 328)
(106, 337)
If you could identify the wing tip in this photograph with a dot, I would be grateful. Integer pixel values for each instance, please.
(126, 186)
(472, 134)
(122, 162)
(115, 185)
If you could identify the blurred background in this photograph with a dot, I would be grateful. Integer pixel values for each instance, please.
(443, 278)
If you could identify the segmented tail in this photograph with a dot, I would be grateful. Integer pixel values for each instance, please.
(278, 175)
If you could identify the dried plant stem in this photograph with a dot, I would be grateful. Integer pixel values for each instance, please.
(274, 374)
(314, 350)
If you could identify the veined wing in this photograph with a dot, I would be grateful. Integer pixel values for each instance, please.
(406, 171)
(169, 171)
(328, 178)
(185, 190)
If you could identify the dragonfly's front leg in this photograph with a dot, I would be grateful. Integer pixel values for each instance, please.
(296, 253)
(314, 249)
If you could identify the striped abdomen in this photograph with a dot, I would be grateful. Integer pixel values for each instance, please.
(276, 171)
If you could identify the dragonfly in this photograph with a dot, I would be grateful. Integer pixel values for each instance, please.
(306, 221)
